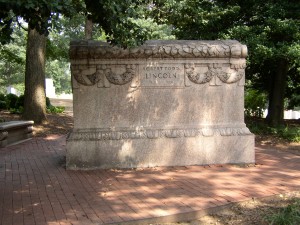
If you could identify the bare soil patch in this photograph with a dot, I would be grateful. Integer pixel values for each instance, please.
(254, 211)
(57, 123)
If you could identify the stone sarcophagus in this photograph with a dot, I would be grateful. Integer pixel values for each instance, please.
(166, 103)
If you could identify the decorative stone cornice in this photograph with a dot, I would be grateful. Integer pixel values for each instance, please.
(156, 133)
(85, 49)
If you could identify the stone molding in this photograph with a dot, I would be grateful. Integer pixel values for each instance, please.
(89, 75)
(158, 49)
(156, 133)
(103, 75)
(122, 78)
(232, 75)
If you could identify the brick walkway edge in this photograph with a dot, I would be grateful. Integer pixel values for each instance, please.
(35, 187)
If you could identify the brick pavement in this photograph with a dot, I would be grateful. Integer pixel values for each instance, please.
(36, 189)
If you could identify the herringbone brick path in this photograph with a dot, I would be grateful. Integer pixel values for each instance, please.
(35, 187)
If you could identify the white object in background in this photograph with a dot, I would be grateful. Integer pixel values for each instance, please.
(291, 114)
(50, 89)
(288, 115)
(12, 90)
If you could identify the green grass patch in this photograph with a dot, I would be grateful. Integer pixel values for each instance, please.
(290, 131)
(289, 215)
(55, 109)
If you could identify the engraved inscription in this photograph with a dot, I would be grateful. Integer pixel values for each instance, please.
(162, 75)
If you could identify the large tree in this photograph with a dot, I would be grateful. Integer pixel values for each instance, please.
(34, 95)
(40, 16)
(271, 29)
(116, 18)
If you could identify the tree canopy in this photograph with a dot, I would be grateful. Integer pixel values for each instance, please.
(12, 63)
(270, 29)
(41, 17)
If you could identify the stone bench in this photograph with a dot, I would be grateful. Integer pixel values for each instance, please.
(13, 132)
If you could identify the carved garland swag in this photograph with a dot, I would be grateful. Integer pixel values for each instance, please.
(89, 75)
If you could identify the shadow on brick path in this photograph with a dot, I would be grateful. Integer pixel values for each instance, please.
(35, 187)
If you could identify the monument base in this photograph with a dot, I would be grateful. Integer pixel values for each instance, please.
(165, 103)
(103, 150)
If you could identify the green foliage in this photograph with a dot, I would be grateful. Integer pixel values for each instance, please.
(2, 104)
(289, 215)
(12, 61)
(118, 18)
(287, 132)
(290, 133)
(194, 19)
(270, 29)
(55, 109)
(67, 30)
(2, 97)
(11, 100)
(124, 23)
(2, 101)
(40, 15)
(18, 110)
(20, 102)
(15, 104)
(59, 71)
(5, 24)
(265, 51)
(155, 31)
(57, 65)
(48, 103)
(294, 102)
(255, 103)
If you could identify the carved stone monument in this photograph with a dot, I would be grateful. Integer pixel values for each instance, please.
(166, 103)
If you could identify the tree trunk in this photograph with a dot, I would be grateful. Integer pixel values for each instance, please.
(277, 93)
(88, 29)
(35, 98)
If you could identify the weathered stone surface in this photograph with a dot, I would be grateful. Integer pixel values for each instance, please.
(159, 49)
(165, 103)
(148, 152)
(15, 131)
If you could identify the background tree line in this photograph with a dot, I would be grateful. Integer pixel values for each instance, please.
(270, 29)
